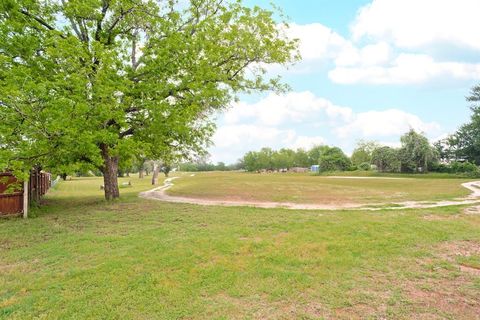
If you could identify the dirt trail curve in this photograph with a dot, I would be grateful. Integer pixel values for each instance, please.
(159, 193)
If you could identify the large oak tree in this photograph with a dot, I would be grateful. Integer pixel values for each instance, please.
(98, 81)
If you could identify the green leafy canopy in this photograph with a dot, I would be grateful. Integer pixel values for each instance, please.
(132, 77)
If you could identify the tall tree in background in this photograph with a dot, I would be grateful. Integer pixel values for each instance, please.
(386, 159)
(363, 152)
(100, 81)
(333, 159)
(416, 152)
(465, 143)
(301, 159)
(315, 153)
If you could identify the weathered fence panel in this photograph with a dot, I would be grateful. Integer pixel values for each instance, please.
(11, 201)
(14, 201)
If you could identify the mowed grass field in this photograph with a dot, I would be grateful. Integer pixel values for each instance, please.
(308, 188)
(83, 258)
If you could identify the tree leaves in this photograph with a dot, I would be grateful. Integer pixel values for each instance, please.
(143, 77)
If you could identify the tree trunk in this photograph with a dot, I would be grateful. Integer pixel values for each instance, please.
(140, 174)
(156, 170)
(110, 170)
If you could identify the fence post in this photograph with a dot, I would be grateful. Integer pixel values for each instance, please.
(25, 198)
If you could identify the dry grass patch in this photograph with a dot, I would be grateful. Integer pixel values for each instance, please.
(447, 286)
(310, 189)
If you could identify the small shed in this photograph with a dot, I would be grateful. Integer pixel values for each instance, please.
(315, 168)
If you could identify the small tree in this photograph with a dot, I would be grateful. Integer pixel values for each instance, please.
(333, 159)
(386, 159)
(416, 153)
(301, 159)
(284, 158)
(250, 161)
(363, 152)
(315, 152)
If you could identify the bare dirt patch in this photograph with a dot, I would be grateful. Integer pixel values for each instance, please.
(450, 250)
(475, 210)
(442, 299)
(439, 287)
(260, 307)
(446, 291)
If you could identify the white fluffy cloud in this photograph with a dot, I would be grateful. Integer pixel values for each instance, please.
(420, 23)
(317, 41)
(294, 107)
(279, 121)
(405, 69)
(306, 142)
(370, 55)
(392, 41)
(402, 32)
(392, 122)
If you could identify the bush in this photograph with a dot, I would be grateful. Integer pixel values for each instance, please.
(333, 159)
(467, 169)
(365, 166)
(464, 167)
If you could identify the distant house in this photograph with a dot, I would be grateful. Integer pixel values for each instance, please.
(315, 168)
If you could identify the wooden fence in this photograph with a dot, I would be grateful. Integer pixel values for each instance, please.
(17, 196)
(11, 201)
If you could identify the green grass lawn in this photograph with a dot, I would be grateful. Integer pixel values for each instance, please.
(83, 258)
(307, 188)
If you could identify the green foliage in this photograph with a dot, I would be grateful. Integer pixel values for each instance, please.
(464, 169)
(386, 159)
(205, 166)
(333, 159)
(364, 166)
(269, 159)
(416, 153)
(363, 152)
(465, 143)
(301, 159)
(102, 82)
(315, 152)
(262, 159)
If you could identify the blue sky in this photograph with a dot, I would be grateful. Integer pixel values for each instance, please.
(371, 70)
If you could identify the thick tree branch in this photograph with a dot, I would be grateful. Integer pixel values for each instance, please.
(41, 21)
(105, 7)
(127, 132)
(115, 22)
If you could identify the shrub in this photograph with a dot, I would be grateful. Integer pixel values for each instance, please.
(464, 167)
(365, 166)
(333, 159)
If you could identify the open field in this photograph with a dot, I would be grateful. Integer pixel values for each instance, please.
(310, 189)
(83, 258)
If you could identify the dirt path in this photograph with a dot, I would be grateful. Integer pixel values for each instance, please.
(159, 193)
